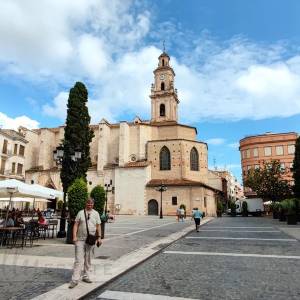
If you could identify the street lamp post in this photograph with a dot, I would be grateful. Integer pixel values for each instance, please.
(161, 188)
(107, 190)
(58, 155)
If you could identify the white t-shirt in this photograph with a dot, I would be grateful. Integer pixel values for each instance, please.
(93, 219)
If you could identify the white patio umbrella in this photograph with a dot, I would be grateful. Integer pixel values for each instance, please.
(53, 192)
(16, 188)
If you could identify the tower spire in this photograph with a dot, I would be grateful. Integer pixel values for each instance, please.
(164, 48)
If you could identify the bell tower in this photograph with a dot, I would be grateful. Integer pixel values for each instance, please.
(164, 100)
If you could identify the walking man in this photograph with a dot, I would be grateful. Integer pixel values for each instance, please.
(83, 251)
(197, 214)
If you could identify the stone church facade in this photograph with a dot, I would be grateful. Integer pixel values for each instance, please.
(137, 156)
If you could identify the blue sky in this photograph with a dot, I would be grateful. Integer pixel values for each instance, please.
(237, 64)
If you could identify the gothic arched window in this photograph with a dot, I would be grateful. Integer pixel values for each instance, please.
(162, 110)
(194, 159)
(163, 62)
(162, 86)
(165, 159)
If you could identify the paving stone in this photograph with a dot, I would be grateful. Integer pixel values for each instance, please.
(219, 277)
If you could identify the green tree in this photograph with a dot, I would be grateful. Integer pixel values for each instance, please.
(267, 182)
(296, 169)
(77, 196)
(98, 194)
(77, 137)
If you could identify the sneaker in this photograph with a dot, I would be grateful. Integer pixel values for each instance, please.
(72, 284)
(87, 280)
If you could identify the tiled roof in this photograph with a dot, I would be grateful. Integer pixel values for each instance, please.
(136, 164)
(177, 182)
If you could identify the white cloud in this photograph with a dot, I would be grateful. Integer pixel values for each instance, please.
(240, 81)
(215, 141)
(103, 43)
(234, 145)
(45, 38)
(58, 109)
(13, 123)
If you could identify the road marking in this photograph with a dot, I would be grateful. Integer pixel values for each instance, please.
(233, 254)
(235, 227)
(227, 230)
(232, 238)
(115, 295)
(139, 231)
(127, 227)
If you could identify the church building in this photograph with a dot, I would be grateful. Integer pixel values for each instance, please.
(137, 157)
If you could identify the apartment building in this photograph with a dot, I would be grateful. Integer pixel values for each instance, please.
(12, 152)
(258, 149)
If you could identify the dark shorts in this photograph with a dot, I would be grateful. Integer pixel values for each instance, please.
(197, 221)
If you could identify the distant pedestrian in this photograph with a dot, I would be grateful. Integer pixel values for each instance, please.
(182, 214)
(178, 214)
(87, 223)
(197, 215)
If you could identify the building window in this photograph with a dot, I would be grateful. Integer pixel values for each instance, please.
(174, 200)
(162, 86)
(165, 159)
(279, 150)
(13, 168)
(163, 62)
(2, 169)
(205, 202)
(291, 149)
(282, 166)
(248, 168)
(4, 148)
(255, 152)
(19, 169)
(162, 110)
(256, 167)
(248, 153)
(268, 151)
(21, 150)
(16, 149)
(194, 160)
(291, 165)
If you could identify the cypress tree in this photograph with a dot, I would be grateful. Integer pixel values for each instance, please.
(296, 169)
(78, 136)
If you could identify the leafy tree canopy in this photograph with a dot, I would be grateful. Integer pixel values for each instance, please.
(267, 182)
(296, 169)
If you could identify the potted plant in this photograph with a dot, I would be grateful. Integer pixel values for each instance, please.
(233, 209)
(275, 209)
(245, 209)
(98, 194)
(291, 212)
(219, 209)
(282, 210)
(77, 196)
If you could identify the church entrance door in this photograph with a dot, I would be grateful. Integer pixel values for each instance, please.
(153, 207)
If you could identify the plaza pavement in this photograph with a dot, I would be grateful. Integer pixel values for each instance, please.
(44, 271)
(230, 258)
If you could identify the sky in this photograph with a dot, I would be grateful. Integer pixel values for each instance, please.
(237, 64)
